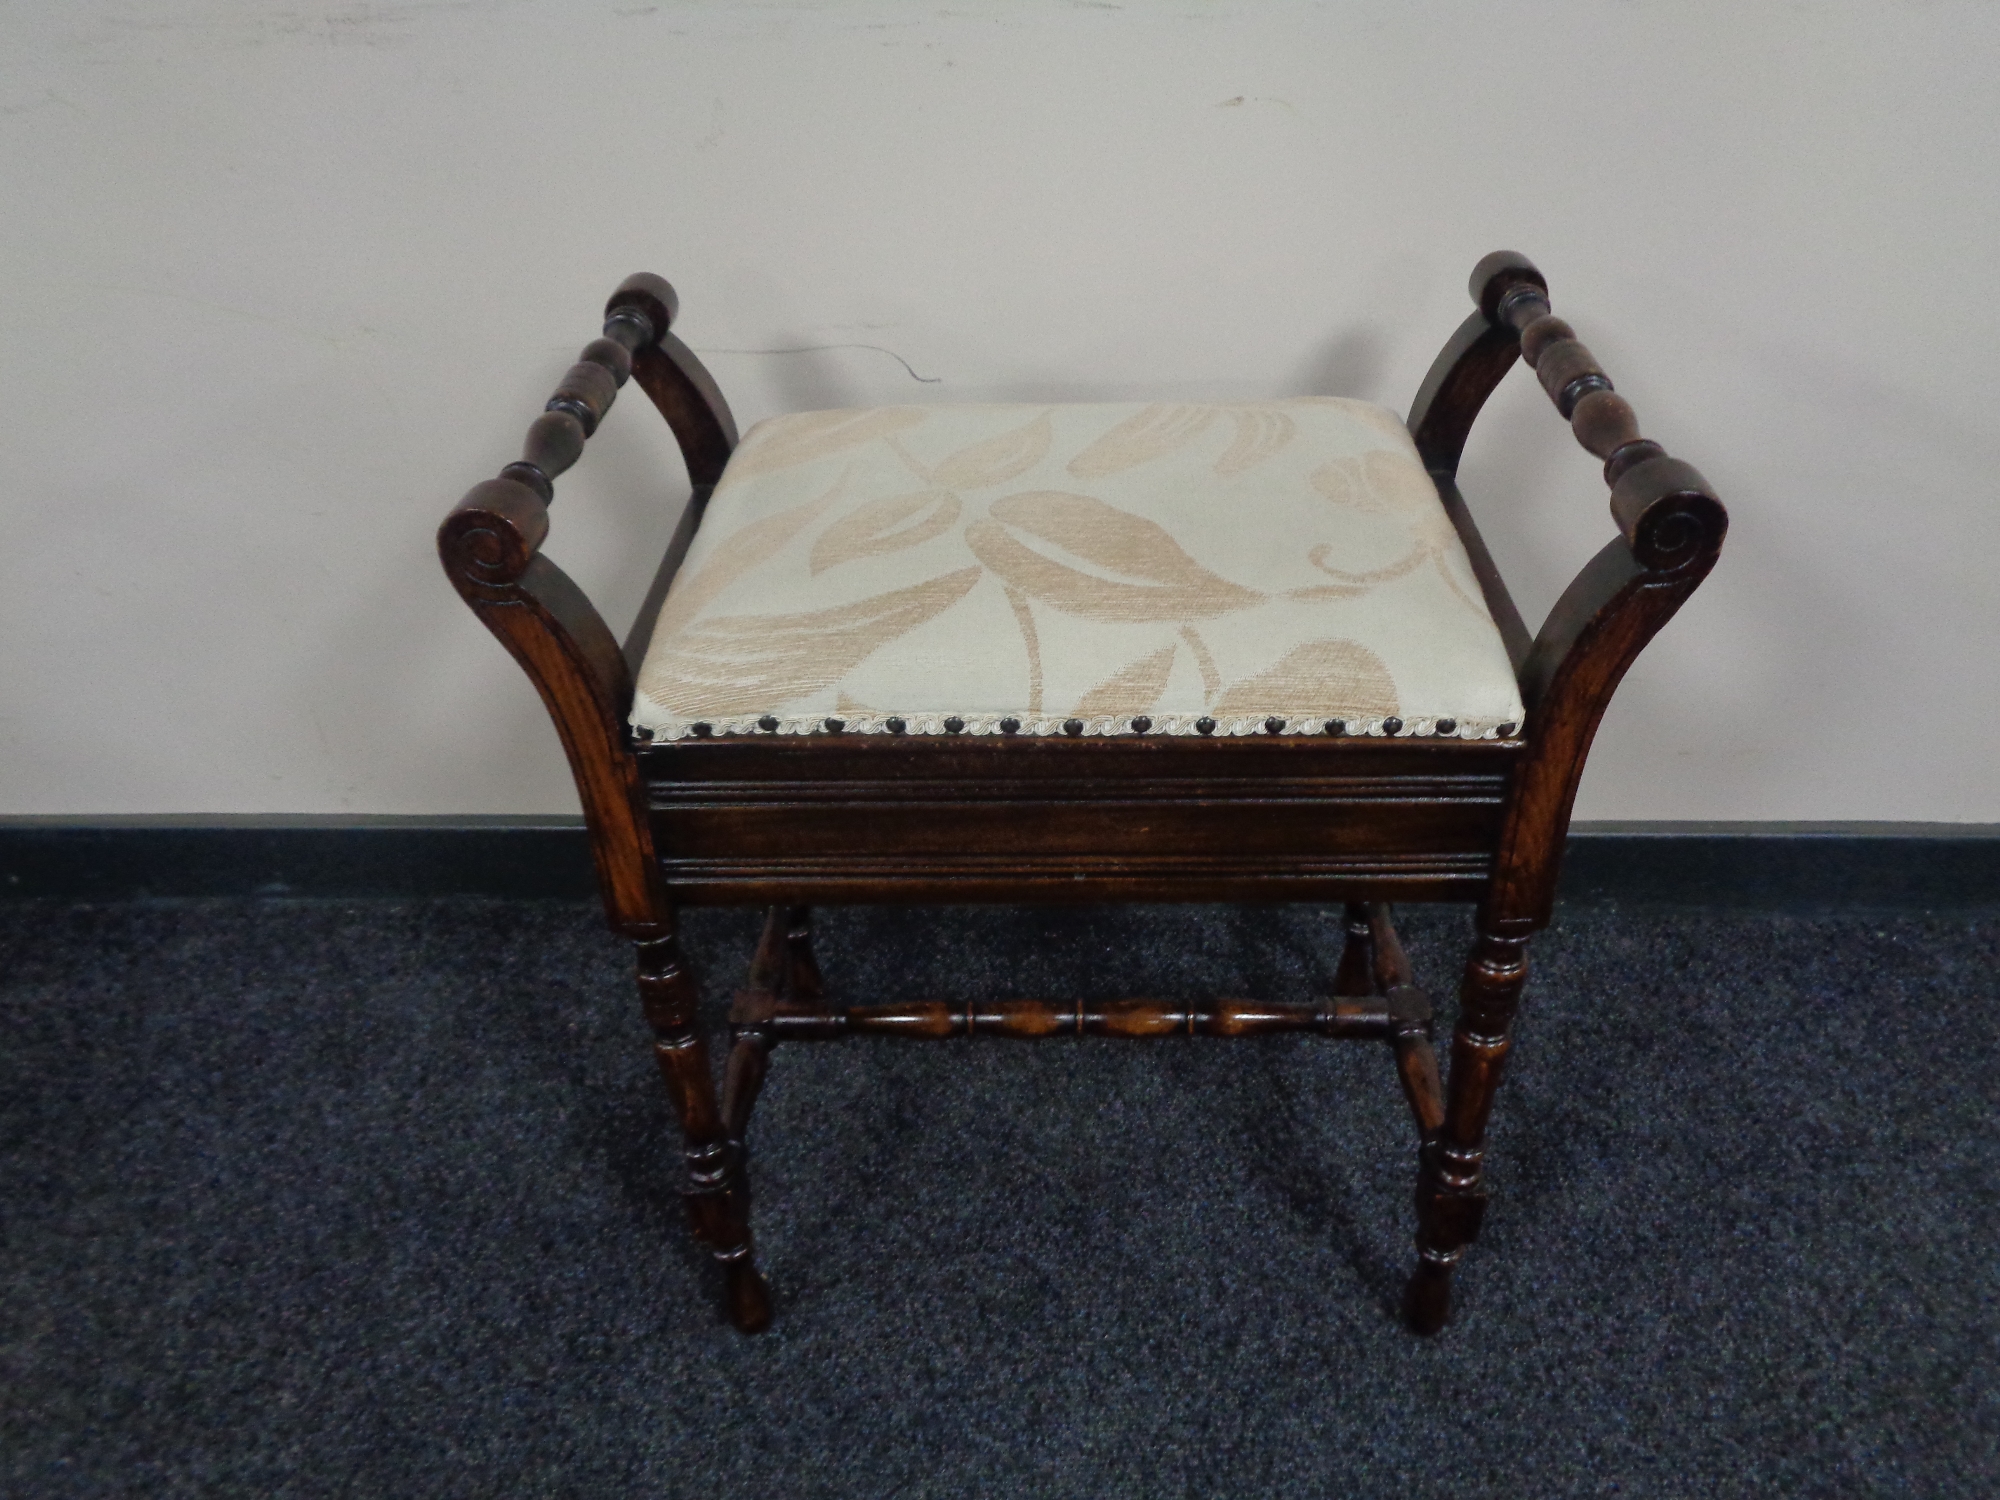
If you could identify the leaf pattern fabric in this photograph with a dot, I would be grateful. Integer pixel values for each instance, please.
(1193, 565)
(819, 434)
(886, 525)
(995, 460)
(1260, 432)
(741, 664)
(1133, 689)
(1126, 567)
(1151, 433)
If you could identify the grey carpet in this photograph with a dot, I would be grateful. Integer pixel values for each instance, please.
(379, 1199)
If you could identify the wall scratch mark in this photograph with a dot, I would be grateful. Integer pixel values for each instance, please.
(818, 348)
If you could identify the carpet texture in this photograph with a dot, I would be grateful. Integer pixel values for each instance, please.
(379, 1198)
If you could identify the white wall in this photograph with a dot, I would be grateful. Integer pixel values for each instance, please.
(279, 283)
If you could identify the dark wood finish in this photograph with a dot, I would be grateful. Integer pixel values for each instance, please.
(489, 548)
(802, 971)
(1030, 1020)
(751, 1040)
(1672, 531)
(790, 821)
(687, 396)
(716, 1193)
(784, 963)
(1409, 1014)
(1392, 969)
(643, 308)
(1416, 1057)
(1604, 422)
(555, 441)
(860, 818)
(1356, 974)
(1451, 1193)
(1466, 372)
(680, 386)
(767, 964)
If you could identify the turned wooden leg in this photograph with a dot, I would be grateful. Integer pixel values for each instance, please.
(770, 963)
(784, 964)
(1451, 1193)
(1356, 974)
(717, 1206)
(1409, 1022)
(749, 1054)
(802, 975)
(744, 1077)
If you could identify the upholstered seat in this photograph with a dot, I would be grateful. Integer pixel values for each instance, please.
(1280, 566)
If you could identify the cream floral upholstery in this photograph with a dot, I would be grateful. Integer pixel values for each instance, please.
(983, 569)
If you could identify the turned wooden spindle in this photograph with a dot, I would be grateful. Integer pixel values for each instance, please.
(554, 443)
(1513, 294)
(1410, 1023)
(641, 311)
(1416, 1056)
(1392, 964)
(586, 392)
(1665, 508)
(1356, 974)
(783, 964)
(802, 967)
(1029, 1020)
(636, 318)
(749, 1060)
(767, 964)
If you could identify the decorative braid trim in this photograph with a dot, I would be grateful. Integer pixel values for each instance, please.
(1029, 726)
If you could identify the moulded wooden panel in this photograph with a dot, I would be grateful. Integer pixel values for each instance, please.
(840, 818)
(1111, 826)
(823, 881)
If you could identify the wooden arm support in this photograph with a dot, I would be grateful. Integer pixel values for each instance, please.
(504, 521)
(1663, 506)
(1671, 530)
(491, 549)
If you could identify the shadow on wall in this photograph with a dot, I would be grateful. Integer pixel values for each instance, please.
(1352, 364)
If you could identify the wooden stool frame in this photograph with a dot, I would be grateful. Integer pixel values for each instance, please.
(790, 822)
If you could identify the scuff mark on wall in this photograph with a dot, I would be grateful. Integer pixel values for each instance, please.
(822, 348)
(360, 24)
(1242, 99)
(48, 98)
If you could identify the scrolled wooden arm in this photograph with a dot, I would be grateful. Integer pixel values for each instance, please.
(1671, 529)
(1671, 533)
(489, 539)
(1670, 517)
(490, 546)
